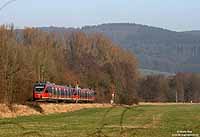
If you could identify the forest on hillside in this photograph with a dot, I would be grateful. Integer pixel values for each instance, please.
(156, 48)
(94, 61)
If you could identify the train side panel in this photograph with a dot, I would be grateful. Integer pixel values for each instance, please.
(42, 91)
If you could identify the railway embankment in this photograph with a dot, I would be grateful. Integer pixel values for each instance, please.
(15, 110)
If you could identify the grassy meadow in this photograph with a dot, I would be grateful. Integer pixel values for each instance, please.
(136, 121)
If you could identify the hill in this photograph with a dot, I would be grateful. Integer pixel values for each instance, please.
(193, 32)
(156, 48)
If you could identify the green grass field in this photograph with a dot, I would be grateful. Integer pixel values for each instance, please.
(140, 121)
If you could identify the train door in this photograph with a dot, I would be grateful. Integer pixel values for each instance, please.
(86, 95)
(48, 92)
(67, 92)
(78, 94)
(81, 94)
(59, 93)
(70, 93)
(45, 93)
(55, 92)
(62, 93)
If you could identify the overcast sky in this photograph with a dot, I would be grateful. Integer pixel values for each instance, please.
(178, 15)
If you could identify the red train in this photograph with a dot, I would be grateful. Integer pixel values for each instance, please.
(46, 91)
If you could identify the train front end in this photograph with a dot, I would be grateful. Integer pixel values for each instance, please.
(39, 91)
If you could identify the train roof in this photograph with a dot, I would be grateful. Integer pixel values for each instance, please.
(59, 86)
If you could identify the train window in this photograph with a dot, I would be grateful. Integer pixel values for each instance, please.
(55, 91)
(92, 94)
(48, 90)
(81, 94)
(74, 92)
(67, 92)
(70, 92)
(84, 94)
(62, 92)
(39, 88)
(78, 92)
(58, 92)
(52, 90)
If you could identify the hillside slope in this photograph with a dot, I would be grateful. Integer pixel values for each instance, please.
(156, 48)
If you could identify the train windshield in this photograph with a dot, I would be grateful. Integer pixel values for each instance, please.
(39, 88)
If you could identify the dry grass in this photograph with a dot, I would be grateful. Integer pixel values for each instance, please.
(45, 108)
(17, 110)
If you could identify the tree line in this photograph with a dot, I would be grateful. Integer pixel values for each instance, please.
(182, 87)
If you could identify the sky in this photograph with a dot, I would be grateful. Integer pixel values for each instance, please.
(177, 15)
